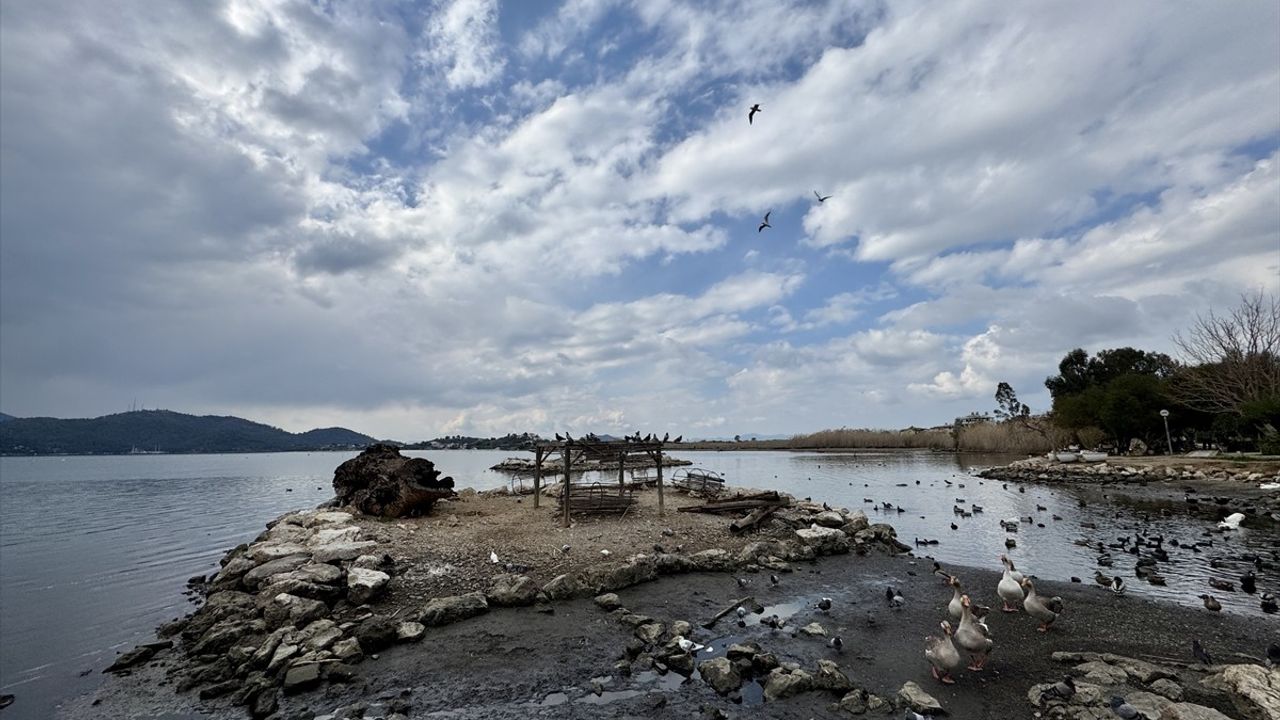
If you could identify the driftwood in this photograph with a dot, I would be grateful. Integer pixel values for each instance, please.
(597, 499)
(736, 604)
(737, 504)
(753, 519)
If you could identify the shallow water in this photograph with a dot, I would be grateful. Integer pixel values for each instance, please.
(96, 551)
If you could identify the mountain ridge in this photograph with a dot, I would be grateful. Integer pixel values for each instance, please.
(164, 431)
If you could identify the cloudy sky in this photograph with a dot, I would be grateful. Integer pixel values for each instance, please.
(466, 216)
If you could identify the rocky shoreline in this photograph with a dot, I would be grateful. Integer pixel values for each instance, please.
(307, 601)
(1253, 489)
(469, 610)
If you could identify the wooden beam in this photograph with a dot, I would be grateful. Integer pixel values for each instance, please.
(622, 483)
(565, 490)
(537, 476)
(661, 504)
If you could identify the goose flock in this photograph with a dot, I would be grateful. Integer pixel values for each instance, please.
(972, 636)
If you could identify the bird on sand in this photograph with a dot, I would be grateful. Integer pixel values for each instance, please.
(1273, 654)
(972, 637)
(836, 643)
(894, 598)
(1009, 590)
(1199, 653)
(955, 608)
(742, 612)
(765, 223)
(1211, 603)
(942, 654)
(773, 579)
(821, 198)
(1046, 610)
(824, 604)
(751, 114)
(1124, 710)
(1117, 585)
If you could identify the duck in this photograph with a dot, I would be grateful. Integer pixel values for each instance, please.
(1249, 582)
(954, 608)
(1009, 590)
(942, 654)
(1268, 603)
(1223, 585)
(1040, 609)
(1101, 579)
(973, 636)
(1211, 603)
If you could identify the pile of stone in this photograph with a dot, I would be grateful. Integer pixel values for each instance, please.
(285, 612)
(1046, 470)
(1248, 691)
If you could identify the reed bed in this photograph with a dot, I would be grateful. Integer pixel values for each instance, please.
(987, 437)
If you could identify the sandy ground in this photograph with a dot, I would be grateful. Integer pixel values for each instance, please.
(519, 663)
(448, 553)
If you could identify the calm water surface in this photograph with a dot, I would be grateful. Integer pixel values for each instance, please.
(95, 551)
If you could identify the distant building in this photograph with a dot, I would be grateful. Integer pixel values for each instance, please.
(973, 419)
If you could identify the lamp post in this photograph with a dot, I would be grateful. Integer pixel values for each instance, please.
(1164, 415)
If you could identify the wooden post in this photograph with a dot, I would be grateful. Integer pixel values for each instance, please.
(622, 461)
(661, 504)
(564, 493)
(537, 476)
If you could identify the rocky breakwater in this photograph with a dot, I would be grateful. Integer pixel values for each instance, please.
(1207, 483)
(284, 613)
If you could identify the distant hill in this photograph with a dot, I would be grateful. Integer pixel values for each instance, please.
(4, 417)
(163, 431)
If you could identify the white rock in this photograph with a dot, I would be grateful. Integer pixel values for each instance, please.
(328, 535)
(330, 518)
(410, 631)
(333, 552)
(364, 584)
(267, 551)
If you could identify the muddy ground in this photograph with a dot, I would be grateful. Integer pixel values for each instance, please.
(519, 663)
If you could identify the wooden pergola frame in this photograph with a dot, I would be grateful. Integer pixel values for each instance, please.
(592, 449)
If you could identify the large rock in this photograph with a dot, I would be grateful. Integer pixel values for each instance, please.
(1254, 690)
(824, 540)
(563, 587)
(913, 696)
(445, 610)
(856, 522)
(364, 585)
(829, 518)
(783, 682)
(136, 656)
(380, 481)
(342, 550)
(720, 675)
(512, 591)
(268, 551)
(286, 609)
(830, 677)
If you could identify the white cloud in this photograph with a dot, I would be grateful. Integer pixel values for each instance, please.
(462, 42)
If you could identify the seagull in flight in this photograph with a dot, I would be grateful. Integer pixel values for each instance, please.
(752, 113)
(821, 198)
(765, 224)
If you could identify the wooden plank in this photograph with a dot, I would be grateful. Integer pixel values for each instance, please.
(752, 519)
(564, 522)
(537, 476)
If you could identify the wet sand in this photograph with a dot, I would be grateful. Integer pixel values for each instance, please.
(519, 663)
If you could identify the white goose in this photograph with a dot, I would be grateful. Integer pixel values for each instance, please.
(1009, 590)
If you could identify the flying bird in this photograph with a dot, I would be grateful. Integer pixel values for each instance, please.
(751, 114)
(765, 224)
(821, 198)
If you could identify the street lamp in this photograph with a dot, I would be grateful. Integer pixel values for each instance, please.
(1164, 414)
